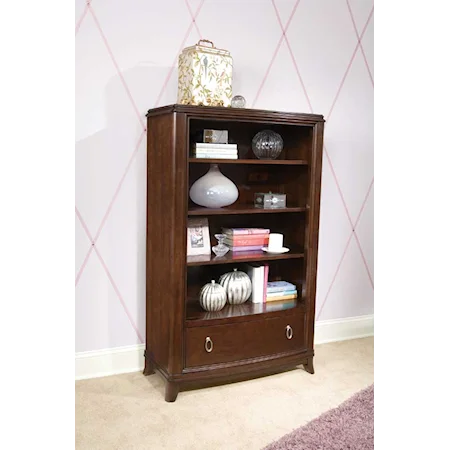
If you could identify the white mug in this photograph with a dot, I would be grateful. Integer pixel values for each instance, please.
(275, 241)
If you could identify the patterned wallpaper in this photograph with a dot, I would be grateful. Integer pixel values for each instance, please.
(289, 55)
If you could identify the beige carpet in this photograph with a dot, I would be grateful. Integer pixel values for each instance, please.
(128, 412)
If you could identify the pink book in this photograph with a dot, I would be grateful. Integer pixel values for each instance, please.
(240, 231)
(266, 278)
(246, 248)
(243, 240)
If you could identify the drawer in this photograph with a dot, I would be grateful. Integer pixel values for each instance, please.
(243, 340)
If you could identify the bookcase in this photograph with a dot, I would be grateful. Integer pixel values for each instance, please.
(247, 340)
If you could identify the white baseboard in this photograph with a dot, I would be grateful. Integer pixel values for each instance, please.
(118, 360)
(110, 361)
(343, 329)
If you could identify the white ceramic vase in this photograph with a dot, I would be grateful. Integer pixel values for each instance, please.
(213, 190)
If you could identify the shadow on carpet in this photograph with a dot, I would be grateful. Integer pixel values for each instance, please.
(350, 426)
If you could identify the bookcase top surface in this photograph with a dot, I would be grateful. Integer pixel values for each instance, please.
(213, 112)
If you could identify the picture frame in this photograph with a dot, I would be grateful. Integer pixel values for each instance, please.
(198, 239)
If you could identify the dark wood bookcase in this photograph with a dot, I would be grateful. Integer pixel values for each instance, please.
(247, 340)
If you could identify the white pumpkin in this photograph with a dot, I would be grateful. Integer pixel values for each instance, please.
(212, 297)
(238, 286)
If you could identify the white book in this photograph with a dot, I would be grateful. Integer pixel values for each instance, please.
(215, 156)
(260, 285)
(223, 152)
(215, 146)
(256, 274)
(212, 152)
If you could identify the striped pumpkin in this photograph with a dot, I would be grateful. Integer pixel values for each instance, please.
(238, 286)
(212, 297)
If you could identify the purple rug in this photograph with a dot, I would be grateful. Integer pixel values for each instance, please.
(349, 426)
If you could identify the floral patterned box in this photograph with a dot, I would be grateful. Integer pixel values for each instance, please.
(205, 75)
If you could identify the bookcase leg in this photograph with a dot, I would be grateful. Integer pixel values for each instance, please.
(149, 368)
(172, 390)
(309, 366)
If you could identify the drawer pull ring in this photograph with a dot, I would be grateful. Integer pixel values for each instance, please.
(208, 344)
(289, 332)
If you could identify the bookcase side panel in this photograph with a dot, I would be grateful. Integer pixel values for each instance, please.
(179, 177)
(164, 231)
(312, 230)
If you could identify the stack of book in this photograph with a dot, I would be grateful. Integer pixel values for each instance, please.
(246, 239)
(281, 291)
(215, 151)
(278, 295)
(270, 295)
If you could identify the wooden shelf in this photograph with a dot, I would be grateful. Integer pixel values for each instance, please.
(241, 209)
(240, 257)
(279, 162)
(196, 316)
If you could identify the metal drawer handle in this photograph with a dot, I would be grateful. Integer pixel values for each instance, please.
(289, 332)
(208, 344)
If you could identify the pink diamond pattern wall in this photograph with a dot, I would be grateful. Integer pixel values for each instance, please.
(292, 55)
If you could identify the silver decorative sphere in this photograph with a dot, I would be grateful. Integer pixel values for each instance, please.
(238, 101)
(267, 144)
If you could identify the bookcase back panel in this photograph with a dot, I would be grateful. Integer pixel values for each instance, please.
(251, 179)
(297, 139)
(283, 270)
(291, 225)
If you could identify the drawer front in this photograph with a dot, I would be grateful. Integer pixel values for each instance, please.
(243, 340)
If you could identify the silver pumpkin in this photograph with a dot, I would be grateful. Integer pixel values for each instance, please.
(238, 286)
(212, 297)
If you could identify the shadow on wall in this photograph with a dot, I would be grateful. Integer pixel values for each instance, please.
(101, 162)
